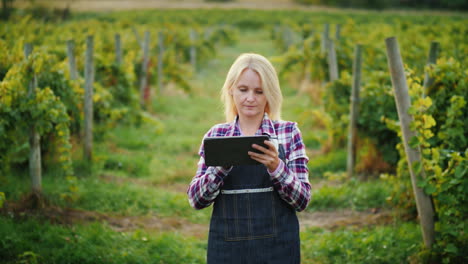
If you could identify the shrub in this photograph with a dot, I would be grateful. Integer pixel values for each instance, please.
(331, 162)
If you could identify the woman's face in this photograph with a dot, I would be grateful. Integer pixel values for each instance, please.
(248, 95)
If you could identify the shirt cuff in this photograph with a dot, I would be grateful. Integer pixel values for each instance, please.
(219, 173)
(277, 171)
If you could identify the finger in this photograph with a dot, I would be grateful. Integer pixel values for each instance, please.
(255, 154)
(269, 151)
(271, 146)
(268, 162)
(261, 161)
(262, 158)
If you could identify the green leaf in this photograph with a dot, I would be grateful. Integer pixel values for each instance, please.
(2, 199)
(421, 183)
(460, 171)
(451, 248)
(417, 167)
(430, 189)
(414, 142)
(454, 181)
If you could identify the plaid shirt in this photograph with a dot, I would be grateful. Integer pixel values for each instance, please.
(291, 180)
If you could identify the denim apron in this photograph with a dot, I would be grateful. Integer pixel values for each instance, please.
(251, 223)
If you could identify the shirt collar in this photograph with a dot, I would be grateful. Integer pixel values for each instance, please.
(266, 128)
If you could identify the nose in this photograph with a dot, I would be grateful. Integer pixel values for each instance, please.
(250, 96)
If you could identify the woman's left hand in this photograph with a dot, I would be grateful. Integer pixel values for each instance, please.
(269, 156)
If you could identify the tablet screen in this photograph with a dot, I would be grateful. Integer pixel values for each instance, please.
(230, 151)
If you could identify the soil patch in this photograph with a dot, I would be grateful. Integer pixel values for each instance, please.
(119, 223)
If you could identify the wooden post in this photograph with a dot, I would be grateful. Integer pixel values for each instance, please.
(354, 110)
(311, 34)
(332, 62)
(35, 169)
(432, 59)
(193, 49)
(144, 68)
(88, 103)
(208, 32)
(118, 50)
(325, 39)
(71, 59)
(137, 37)
(307, 66)
(337, 32)
(160, 61)
(276, 30)
(413, 155)
(288, 37)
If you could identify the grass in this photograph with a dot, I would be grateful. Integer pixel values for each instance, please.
(131, 199)
(97, 242)
(354, 194)
(378, 244)
(33, 239)
(122, 198)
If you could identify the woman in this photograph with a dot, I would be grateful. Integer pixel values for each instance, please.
(254, 214)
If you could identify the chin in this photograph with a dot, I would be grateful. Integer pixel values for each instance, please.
(252, 114)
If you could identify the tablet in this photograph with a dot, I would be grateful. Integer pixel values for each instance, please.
(230, 151)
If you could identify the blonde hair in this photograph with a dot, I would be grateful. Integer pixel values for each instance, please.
(269, 80)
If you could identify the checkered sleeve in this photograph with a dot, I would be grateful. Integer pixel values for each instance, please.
(205, 185)
(291, 180)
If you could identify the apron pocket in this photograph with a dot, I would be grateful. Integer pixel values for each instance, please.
(249, 216)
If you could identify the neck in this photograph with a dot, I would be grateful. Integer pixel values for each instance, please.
(249, 126)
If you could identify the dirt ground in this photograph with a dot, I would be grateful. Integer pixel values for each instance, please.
(112, 5)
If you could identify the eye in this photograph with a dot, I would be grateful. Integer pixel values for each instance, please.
(259, 91)
(242, 88)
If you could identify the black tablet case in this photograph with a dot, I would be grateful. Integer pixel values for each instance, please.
(230, 151)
